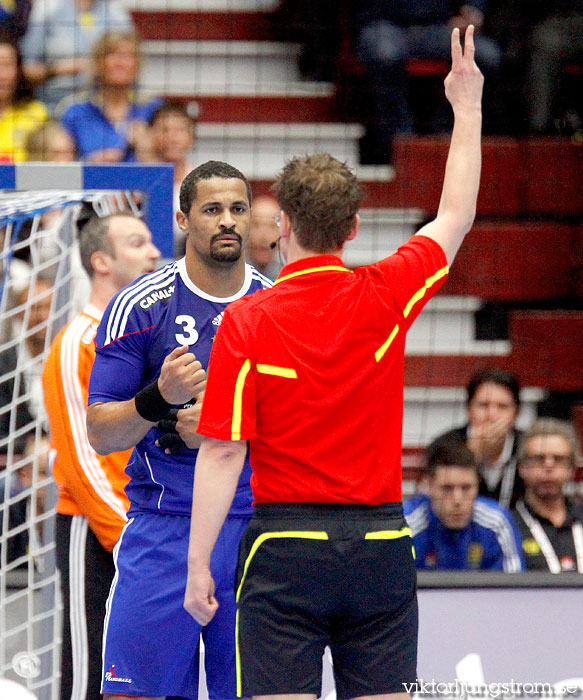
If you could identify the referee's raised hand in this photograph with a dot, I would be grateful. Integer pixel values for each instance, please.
(181, 377)
(464, 82)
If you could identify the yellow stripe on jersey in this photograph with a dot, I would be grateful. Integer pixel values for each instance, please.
(238, 401)
(385, 346)
(421, 292)
(324, 268)
(389, 534)
(306, 535)
(287, 372)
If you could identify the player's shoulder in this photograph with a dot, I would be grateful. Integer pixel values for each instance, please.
(140, 300)
(490, 514)
(417, 513)
(258, 279)
(258, 290)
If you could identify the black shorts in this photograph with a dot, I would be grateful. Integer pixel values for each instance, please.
(312, 576)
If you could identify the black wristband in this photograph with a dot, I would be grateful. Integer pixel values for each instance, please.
(150, 403)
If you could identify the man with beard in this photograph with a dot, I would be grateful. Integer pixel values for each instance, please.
(551, 526)
(152, 350)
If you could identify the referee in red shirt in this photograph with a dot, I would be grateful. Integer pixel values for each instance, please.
(310, 375)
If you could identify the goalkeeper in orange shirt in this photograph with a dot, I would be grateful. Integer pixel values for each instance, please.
(92, 505)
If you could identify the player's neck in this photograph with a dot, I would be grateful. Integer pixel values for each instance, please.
(216, 280)
(101, 293)
(295, 251)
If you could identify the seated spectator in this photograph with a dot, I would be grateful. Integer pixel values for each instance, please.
(390, 32)
(262, 251)
(109, 121)
(555, 37)
(59, 40)
(50, 142)
(21, 368)
(453, 527)
(19, 112)
(14, 16)
(171, 139)
(493, 399)
(315, 25)
(551, 526)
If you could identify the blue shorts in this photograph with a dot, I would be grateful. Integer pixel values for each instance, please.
(150, 643)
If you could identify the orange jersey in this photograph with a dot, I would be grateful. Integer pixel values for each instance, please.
(88, 484)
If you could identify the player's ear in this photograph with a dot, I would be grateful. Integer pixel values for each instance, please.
(354, 229)
(100, 261)
(181, 220)
(285, 226)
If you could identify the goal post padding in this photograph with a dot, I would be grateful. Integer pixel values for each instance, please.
(30, 608)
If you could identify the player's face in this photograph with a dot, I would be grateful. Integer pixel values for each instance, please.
(548, 465)
(452, 491)
(217, 225)
(134, 252)
(492, 403)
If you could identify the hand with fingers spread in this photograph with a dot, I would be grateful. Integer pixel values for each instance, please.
(464, 82)
(181, 377)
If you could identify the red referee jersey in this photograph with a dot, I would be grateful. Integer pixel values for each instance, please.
(311, 373)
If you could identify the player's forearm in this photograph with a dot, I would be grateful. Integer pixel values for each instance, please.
(216, 475)
(462, 172)
(115, 426)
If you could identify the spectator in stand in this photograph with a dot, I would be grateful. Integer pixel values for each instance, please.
(389, 32)
(20, 113)
(555, 37)
(59, 40)
(551, 525)
(109, 122)
(21, 392)
(171, 137)
(493, 399)
(453, 527)
(262, 251)
(315, 25)
(14, 16)
(50, 142)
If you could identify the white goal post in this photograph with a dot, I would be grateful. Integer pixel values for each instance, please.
(39, 204)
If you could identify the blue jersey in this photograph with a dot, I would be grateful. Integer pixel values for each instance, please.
(490, 541)
(141, 326)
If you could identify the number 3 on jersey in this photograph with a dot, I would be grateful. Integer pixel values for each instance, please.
(189, 336)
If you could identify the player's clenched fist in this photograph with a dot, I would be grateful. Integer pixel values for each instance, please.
(181, 377)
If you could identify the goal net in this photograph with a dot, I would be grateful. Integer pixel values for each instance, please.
(42, 285)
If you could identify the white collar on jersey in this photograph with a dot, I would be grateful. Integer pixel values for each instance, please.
(181, 267)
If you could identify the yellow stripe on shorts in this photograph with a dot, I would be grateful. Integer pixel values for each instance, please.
(389, 534)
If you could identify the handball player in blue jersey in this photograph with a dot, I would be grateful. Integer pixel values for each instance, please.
(146, 389)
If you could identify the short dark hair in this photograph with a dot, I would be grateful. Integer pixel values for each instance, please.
(450, 454)
(171, 107)
(206, 171)
(321, 196)
(94, 236)
(494, 376)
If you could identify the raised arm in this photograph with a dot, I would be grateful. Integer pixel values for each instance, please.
(119, 425)
(457, 207)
